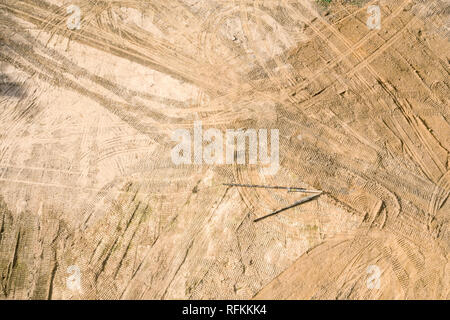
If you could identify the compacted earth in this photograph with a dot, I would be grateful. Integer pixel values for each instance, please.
(355, 95)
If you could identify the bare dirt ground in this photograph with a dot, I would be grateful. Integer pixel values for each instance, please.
(86, 177)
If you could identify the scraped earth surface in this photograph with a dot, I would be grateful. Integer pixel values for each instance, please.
(86, 177)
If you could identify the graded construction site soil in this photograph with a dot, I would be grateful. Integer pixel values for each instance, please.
(86, 177)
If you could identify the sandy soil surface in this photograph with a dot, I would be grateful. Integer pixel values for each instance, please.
(93, 207)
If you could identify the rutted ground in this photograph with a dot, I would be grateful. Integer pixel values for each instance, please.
(87, 180)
